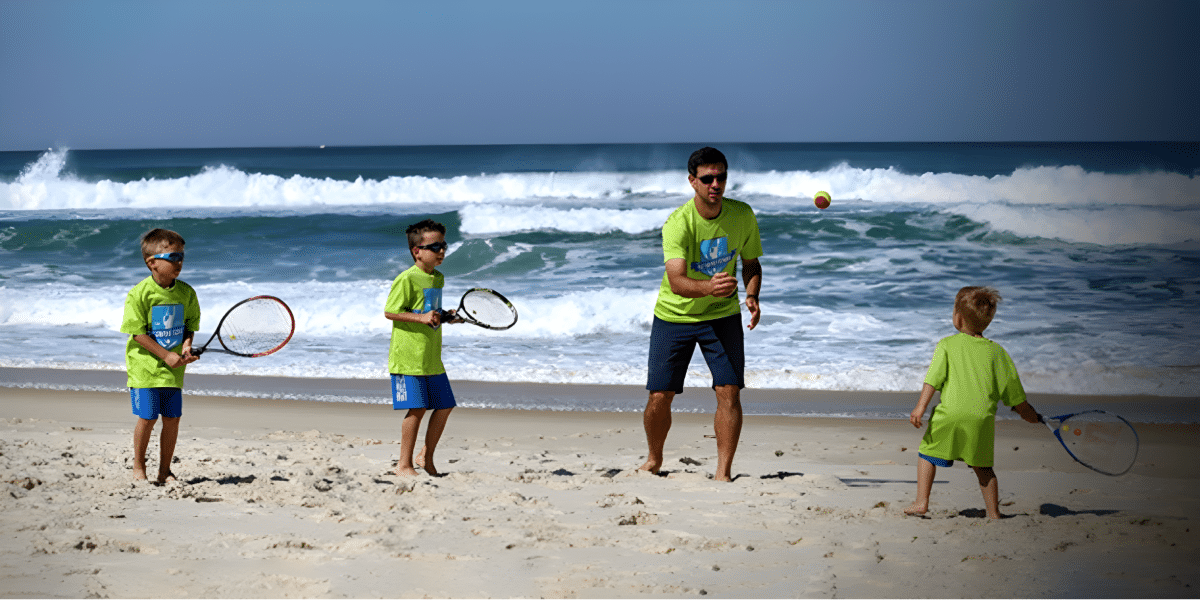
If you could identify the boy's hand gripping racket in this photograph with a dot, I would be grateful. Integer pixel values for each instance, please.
(485, 308)
(255, 326)
(1099, 440)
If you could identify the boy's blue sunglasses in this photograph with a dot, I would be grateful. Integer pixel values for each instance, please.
(174, 257)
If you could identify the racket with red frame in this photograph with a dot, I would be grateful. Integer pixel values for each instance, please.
(254, 327)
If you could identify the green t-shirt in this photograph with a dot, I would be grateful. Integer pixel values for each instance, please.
(973, 374)
(708, 247)
(166, 314)
(416, 347)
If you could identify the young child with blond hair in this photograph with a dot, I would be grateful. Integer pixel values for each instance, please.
(974, 375)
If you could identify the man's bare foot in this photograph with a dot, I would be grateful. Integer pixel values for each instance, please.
(725, 478)
(651, 466)
(406, 472)
(916, 510)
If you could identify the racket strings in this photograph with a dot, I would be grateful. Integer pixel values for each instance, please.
(1102, 442)
(488, 309)
(256, 326)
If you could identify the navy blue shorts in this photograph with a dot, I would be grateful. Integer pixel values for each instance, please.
(148, 403)
(672, 344)
(422, 391)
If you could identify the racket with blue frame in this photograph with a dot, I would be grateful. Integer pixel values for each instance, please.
(1101, 441)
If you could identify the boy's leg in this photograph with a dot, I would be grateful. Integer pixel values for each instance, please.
(727, 424)
(408, 441)
(170, 433)
(925, 474)
(990, 487)
(433, 433)
(141, 441)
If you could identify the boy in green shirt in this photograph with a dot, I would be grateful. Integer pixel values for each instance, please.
(974, 374)
(419, 380)
(161, 315)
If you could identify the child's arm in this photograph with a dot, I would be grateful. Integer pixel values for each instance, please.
(431, 318)
(1027, 412)
(922, 404)
(171, 359)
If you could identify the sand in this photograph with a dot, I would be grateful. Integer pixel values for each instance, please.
(281, 498)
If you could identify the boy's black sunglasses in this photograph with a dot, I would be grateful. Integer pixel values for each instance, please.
(435, 247)
(708, 179)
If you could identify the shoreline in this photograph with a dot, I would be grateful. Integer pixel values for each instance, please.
(569, 397)
(285, 498)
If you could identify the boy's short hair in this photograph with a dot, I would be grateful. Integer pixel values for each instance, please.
(157, 238)
(416, 231)
(706, 156)
(977, 306)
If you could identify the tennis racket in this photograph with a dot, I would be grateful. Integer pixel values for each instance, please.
(255, 326)
(485, 308)
(1099, 440)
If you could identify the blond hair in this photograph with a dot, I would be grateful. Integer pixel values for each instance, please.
(977, 306)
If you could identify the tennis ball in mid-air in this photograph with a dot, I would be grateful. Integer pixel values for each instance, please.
(822, 200)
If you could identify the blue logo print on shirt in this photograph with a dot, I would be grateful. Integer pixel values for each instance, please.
(166, 324)
(716, 255)
(433, 299)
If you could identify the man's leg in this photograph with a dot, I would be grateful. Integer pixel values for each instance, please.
(727, 424)
(657, 422)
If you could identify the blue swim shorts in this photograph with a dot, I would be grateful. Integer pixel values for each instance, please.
(148, 403)
(422, 391)
(672, 344)
(937, 462)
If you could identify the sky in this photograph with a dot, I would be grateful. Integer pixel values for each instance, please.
(85, 74)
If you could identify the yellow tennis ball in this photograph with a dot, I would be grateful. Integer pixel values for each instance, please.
(822, 200)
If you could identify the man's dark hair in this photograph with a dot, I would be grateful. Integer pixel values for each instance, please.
(416, 231)
(706, 156)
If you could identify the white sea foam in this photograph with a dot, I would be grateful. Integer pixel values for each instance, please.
(492, 219)
(43, 186)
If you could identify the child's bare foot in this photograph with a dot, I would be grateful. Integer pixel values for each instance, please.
(165, 478)
(419, 458)
(916, 510)
(651, 466)
(139, 473)
(406, 472)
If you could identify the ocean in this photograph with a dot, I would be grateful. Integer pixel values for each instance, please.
(1095, 248)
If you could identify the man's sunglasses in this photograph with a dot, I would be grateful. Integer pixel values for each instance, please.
(435, 247)
(708, 179)
(175, 257)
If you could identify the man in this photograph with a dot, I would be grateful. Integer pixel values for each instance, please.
(698, 304)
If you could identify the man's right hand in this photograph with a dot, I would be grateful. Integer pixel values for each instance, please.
(723, 285)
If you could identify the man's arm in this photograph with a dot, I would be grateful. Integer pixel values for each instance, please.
(752, 278)
(722, 285)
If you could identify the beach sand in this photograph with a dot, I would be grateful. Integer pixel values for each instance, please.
(280, 498)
